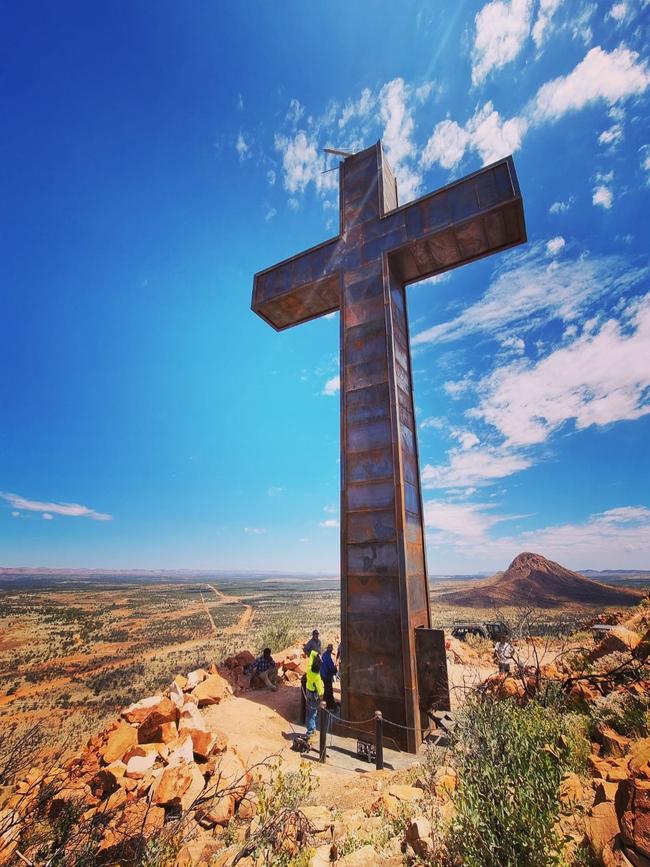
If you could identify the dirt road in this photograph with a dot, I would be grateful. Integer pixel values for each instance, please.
(246, 617)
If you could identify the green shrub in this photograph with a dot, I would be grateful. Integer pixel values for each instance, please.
(281, 634)
(509, 762)
(626, 713)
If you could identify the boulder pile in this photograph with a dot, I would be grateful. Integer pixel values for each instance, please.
(618, 821)
(159, 761)
(291, 665)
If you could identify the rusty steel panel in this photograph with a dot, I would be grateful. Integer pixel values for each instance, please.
(363, 273)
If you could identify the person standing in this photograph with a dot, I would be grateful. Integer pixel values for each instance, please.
(314, 689)
(314, 643)
(504, 655)
(328, 669)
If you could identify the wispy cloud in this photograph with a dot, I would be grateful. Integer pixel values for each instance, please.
(615, 538)
(527, 289)
(330, 523)
(242, 146)
(609, 77)
(600, 377)
(474, 467)
(332, 386)
(601, 76)
(274, 490)
(255, 531)
(71, 510)
(561, 207)
(554, 246)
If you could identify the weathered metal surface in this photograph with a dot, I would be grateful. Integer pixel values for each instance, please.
(363, 273)
(433, 684)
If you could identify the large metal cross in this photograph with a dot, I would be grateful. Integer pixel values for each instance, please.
(363, 272)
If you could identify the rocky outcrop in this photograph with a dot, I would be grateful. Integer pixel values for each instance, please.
(158, 761)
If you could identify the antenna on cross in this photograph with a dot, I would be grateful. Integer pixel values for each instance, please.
(338, 153)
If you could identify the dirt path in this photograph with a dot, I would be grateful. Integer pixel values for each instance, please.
(245, 619)
(210, 617)
(260, 724)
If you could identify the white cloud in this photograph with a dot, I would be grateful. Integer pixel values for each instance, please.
(432, 422)
(602, 376)
(242, 147)
(274, 490)
(270, 213)
(255, 531)
(561, 207)
(486, 132)
(73, 510)
(397, 117)
(502, 27)
(618, 12)
(466, 438)
(295, 112)
(474, 467)
(330, 523)
(16, 515)
(302, 164)
(516, 345)
(446, 146)
(331, 510)
(611, 136)
(603, 196)
(47, 517)
(618, 538)
(542, 26)
(271, 177)
(527, 289)
(645, 158)
(332, 386)
(610, 77)
(466, 520)
(360, 108)
(554, 246)
(600, 75)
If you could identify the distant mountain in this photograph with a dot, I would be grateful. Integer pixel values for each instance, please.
(531, 579)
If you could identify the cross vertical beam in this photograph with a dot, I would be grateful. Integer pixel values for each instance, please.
(363, 272)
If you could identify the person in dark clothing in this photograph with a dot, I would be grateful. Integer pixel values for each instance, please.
(313, 644)
(328, 669)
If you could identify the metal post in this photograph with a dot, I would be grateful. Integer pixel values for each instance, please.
(322, 725)
(379, 741)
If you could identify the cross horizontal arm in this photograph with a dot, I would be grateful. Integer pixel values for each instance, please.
(471, 218)
(300, 288)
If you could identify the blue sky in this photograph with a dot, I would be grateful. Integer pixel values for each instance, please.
(155, 156)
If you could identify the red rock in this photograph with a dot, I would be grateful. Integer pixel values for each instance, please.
(211, 690)
(601, 827)
(217, 814)
(618, 640)
(194, 678)
(150, 727)
(119, 741)
(613, 743)
(139, 711)
(138, 766)
(230, 775)
(633, 810)
(168, 732)
(179, 785)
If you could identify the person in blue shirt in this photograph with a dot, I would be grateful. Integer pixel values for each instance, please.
(328, 669)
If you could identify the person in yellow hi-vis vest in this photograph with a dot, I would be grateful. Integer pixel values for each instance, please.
(315, 689)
